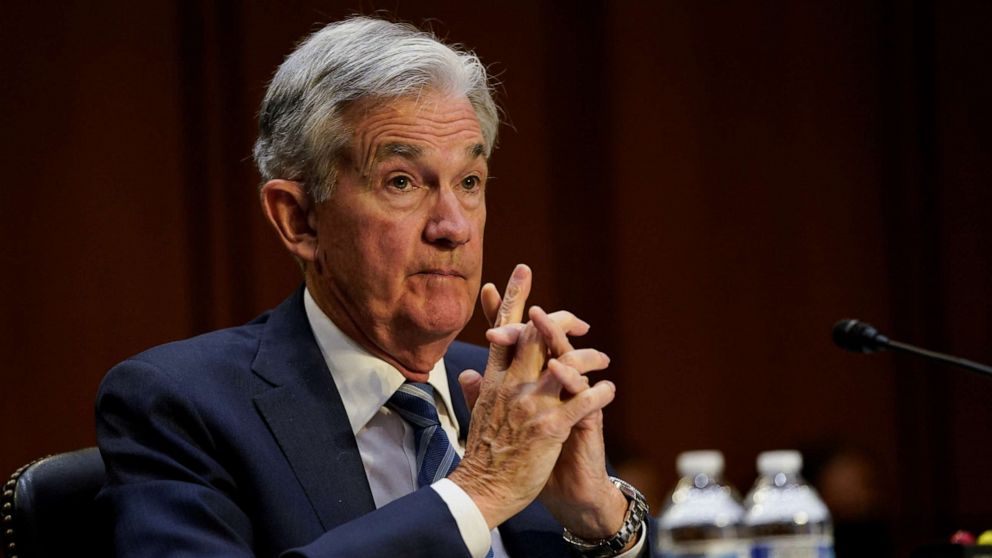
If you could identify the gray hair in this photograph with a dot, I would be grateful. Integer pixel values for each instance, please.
(301, 125)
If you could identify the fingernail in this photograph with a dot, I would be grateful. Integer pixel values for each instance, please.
(606, 356)
(520, 271)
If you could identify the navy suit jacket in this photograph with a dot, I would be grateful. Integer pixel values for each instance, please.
(236, 443)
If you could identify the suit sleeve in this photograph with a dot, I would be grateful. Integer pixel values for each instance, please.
(171, 495)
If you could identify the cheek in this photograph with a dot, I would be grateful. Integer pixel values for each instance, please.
(481, 224)
(385, 249)
(357, 249)
(478, 237)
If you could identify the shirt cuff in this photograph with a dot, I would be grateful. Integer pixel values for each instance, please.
(471, 524)
(637, 547)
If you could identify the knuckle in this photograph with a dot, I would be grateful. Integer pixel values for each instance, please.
(529, 333)
(569, 359)
(586, 402)
(523, 412)
(546, 426)
(512, 293)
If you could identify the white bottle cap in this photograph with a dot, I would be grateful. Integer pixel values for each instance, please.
(781, 461)
(706, 462)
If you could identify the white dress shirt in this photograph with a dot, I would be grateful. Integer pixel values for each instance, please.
(385, 439)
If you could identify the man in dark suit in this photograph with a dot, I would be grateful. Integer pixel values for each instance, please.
(338, 423)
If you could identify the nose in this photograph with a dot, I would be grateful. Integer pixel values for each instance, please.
(449, 225)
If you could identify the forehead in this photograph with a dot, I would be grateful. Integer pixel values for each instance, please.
(431, 121)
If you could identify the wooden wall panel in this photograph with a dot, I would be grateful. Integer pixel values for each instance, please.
(963, 126)
(745, 216)
(711, 185)
(94, 229)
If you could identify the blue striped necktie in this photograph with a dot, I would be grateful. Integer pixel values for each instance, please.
(436, 457)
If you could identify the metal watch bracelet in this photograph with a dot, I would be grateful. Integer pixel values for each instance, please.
(637, 511)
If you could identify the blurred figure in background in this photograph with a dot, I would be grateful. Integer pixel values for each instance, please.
(849, 483)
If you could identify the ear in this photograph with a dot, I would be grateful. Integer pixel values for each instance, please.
(288, 208)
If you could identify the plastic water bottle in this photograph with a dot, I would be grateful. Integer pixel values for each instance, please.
(703, 517)
(785, 516)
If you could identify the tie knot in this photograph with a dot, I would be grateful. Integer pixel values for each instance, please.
(414, 401)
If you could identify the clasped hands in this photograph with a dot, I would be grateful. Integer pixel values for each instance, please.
(537, 423)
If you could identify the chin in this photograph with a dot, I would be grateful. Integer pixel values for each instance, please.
(443, 320)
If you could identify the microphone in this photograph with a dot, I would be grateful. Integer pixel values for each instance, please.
(859, 337)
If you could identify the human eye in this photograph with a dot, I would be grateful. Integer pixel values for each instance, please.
(400, 182)
(471, 182)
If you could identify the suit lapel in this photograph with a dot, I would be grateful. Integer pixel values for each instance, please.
(307, 418)
(461, 357)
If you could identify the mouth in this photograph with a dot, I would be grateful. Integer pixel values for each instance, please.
(442, 273)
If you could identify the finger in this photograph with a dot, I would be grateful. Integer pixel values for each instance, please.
(572, 324)
(504, 335)
(491, 301)
(528, 359)
(552, 333)
(585, 360)
(567, 371)
(507, 334)
(588, 401)
(561, 375)
(471, 382)
(511, 310)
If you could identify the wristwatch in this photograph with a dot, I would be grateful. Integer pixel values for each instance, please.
(637, 510)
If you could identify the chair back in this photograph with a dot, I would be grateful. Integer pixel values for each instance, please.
(49, 508)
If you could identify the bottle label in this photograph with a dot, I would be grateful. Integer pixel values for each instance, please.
(796, 546)
(707, 549)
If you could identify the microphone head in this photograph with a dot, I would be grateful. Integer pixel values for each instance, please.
(858, 337)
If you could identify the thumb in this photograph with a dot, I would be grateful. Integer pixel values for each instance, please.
(491, 301)
(471, 382)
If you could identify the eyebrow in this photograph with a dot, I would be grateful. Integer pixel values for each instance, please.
(404, 150)
(411, 152)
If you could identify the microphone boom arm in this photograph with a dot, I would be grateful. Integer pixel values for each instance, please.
(860, 337)
(940, 357)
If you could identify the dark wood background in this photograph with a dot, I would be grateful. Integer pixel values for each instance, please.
(711, 184)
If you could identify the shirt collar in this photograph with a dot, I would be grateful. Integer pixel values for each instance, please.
(365, 382)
